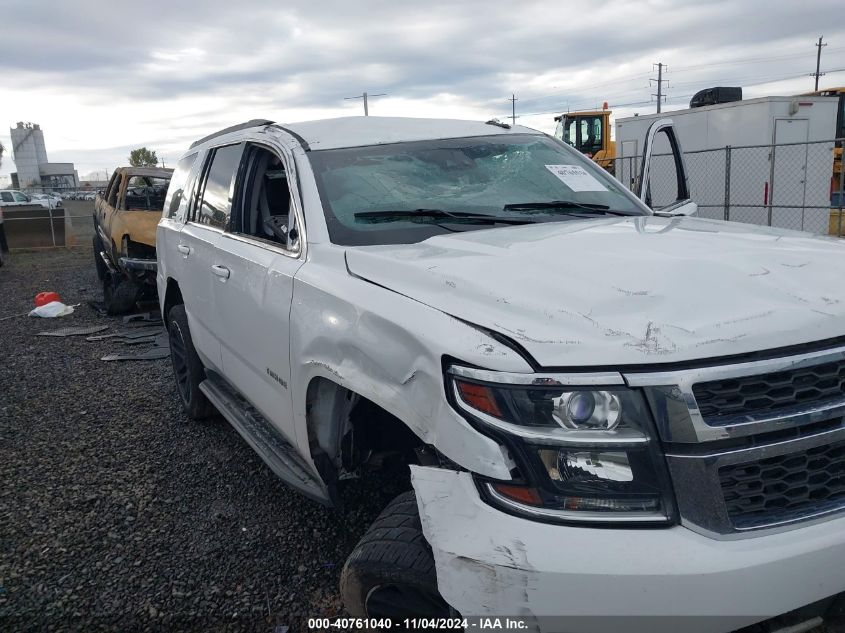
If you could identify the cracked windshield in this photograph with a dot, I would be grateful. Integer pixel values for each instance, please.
(406, 192)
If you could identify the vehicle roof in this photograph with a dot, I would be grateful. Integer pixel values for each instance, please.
(356, 131)
(583, 113)
(160, 172)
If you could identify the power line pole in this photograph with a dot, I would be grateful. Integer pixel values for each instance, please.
(818, 74)
(365, 96)
(660, 96)
(513, 101)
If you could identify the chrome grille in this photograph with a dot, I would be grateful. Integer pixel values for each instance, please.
(753, 445)
(785, 487)
(749, 395)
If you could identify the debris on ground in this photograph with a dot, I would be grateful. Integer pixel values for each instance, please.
(52, 310)
(74, 331)
(128, 334)
(111, 505)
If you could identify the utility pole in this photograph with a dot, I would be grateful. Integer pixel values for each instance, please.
(818, 74)
(513, 101)
(660, 96)
(365, 96)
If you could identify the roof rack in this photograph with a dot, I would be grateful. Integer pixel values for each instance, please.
(233, 128)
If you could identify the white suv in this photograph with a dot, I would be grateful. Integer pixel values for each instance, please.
(613, 418)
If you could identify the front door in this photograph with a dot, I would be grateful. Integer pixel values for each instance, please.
(258, 257)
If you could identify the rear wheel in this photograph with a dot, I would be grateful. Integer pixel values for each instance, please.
(119, 295)
(390, 574)
(187, 366)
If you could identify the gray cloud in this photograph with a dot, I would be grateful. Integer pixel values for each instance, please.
(300, 55)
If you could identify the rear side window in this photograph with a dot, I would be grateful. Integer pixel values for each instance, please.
(6, 196)
(178, 183)
(216, 205)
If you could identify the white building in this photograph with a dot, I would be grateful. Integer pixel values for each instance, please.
(33, 169)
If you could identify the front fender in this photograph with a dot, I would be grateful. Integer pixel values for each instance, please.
(389, 349)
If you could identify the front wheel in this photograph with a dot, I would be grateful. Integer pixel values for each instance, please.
(119, 295)
(390, 573)
(99, 264)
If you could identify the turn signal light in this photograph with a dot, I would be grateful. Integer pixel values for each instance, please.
(479, 397)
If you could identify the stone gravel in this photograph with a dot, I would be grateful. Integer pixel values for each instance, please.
(117, 513)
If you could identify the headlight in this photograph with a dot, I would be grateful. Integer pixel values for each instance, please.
(584, 451)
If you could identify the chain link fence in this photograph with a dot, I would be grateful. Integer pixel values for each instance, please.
(789, 185)
(46, 221)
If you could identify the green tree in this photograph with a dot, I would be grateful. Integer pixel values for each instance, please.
(142, 157)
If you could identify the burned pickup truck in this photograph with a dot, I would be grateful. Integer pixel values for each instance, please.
(125, 219)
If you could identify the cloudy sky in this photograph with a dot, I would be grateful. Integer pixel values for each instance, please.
(104, 77)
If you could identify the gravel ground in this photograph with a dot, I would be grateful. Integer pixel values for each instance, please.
(117, 513)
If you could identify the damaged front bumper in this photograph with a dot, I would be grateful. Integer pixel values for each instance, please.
(138, 264)
(559, 578)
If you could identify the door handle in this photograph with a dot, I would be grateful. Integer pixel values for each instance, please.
(184, 249)
(220, 271)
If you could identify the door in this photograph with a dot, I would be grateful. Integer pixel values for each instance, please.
(179, 201)
(258, 257)
(663, 183)
(198, 244)
(788, 187)
(105, 208)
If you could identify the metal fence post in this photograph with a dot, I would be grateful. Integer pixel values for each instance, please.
(841, 197)
(771, 191)
(727, 183)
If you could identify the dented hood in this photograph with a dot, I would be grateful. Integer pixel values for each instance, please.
(622, 291)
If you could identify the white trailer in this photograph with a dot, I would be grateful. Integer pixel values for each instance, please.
(762, 161)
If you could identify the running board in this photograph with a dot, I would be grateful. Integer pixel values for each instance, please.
(265, 440)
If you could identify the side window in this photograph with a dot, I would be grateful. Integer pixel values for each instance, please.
(114, 186)
(145, 193)
(264, 208)
(19, 197)
(6, 196)
(570, 134)
(216, 204)
(178, 183)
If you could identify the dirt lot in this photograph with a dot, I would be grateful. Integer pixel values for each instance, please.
(116, 513)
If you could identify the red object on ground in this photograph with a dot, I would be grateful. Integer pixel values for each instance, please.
(43, 298)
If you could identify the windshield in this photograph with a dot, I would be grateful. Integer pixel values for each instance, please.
(407, 192)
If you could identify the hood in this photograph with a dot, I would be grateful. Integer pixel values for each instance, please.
(625, 291)
(141, 225)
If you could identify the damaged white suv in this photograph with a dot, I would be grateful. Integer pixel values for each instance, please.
(613, 418)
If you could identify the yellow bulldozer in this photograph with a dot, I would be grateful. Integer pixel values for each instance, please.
(588, 131)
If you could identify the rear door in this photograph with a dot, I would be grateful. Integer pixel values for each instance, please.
(255, 264)
(198, 244)
(171, 262)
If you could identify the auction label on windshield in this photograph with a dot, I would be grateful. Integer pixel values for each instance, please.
(576, 178)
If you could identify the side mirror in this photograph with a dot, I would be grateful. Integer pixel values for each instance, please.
(682, 204)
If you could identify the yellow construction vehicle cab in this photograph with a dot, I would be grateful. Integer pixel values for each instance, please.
(588, 132)
(837, 192)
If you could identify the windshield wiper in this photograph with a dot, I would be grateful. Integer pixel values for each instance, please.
(439, 214)
(562, 204)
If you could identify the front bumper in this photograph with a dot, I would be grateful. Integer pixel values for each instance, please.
(560, 578)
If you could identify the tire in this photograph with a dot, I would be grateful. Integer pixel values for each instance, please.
(390, 573)
(187, 366)
(119, 295)
(99, 264)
